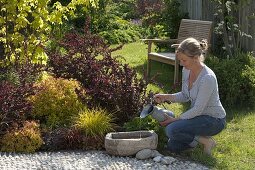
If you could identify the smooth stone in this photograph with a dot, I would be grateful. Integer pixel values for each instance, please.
(157, 159)
(155, 153)
(144, 154)
(167, 160)
(163, 168)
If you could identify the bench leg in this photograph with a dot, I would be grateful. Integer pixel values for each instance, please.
(176, 71)
(149, 68)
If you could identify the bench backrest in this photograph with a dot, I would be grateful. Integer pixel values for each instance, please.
(194, 28)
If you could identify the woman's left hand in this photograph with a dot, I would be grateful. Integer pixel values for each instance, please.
(167, 121)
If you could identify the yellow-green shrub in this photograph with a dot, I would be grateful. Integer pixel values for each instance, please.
(56, 102)
(26, 139)
(94, 122)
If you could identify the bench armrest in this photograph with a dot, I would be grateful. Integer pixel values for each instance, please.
(175, 45)
(160, 40)
(150, 41)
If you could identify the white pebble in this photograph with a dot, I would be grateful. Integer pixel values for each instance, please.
(89, 160)
(157, 159)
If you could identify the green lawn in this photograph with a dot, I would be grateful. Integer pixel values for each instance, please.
(235, 145)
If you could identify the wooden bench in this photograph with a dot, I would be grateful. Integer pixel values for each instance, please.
(188, 28)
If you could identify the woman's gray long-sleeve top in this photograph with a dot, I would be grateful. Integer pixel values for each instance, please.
(204, 95)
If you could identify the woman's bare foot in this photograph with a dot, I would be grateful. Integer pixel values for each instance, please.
(209, 146)
(208, 143)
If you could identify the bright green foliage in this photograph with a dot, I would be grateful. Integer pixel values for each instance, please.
(56, 102)
(236, 79)
(117, 30)
(171, 17)
(94, 122)
(27, 139)
(25, 26)
(112, 24)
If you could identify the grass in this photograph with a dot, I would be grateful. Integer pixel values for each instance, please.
(235, 145)
(135, 54)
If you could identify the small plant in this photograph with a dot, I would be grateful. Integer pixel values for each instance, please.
(63, 138)
(26, 139)
(93, 143)
(56, 102)
(94, 122)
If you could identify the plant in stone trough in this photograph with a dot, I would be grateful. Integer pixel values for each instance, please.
(107, 82)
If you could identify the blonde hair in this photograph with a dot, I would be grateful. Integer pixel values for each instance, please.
(192, 47)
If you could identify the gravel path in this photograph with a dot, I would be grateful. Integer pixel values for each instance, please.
(85, 160)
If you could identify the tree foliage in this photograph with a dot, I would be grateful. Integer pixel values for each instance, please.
(25, 27)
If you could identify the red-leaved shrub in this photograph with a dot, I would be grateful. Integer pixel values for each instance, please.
(107, 82)
(16, 84)
(62, 139)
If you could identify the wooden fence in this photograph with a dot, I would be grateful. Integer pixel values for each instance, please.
(205, 10)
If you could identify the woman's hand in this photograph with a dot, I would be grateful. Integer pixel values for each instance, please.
(168, 120)
(159, 98)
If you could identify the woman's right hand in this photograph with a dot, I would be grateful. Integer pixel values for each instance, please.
(159, 98)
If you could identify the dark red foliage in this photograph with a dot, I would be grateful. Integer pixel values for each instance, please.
(16, 84)
(12, 100)
(107, 82)
(145, 7)
(63, 138)
(70, 138)
(93, 142)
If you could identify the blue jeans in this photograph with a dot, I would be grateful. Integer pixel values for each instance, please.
(183, 133)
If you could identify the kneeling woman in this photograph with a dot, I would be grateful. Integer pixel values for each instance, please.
(206, 116)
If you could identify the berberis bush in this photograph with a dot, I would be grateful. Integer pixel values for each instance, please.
(107, 83)
(16, 85)
(62, 138)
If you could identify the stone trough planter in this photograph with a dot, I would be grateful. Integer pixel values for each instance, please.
(129, 143)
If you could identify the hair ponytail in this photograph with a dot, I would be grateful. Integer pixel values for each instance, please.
(192, 47)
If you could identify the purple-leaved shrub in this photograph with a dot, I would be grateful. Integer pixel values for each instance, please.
(107, 82)
(16, 85)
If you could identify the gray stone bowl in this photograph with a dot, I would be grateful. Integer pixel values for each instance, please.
(129, 143)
